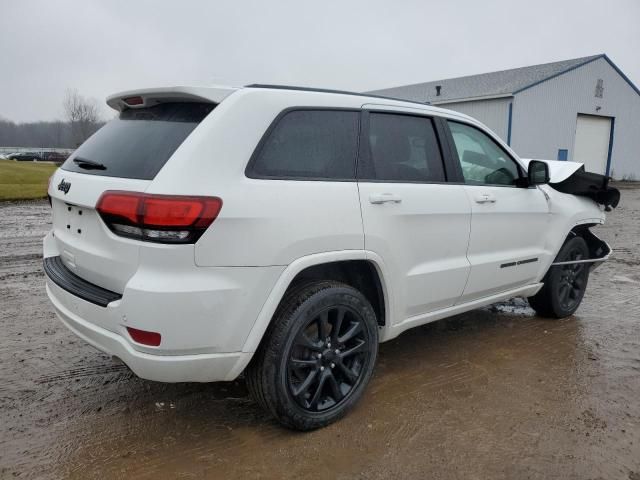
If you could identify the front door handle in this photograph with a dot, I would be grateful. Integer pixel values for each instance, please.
(485, 197)
(378, 198)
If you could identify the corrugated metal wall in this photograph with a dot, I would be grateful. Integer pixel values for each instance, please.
(414, 93)
(493, 113)
(544, 116)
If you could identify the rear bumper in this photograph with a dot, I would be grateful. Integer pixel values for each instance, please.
(162, 368)
(67, 280)
(204, 314)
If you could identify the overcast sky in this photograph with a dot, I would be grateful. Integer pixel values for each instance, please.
(101, 47)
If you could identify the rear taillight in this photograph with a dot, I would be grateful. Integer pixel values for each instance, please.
(158, 218)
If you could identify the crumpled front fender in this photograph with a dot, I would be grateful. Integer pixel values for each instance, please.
(573, 179)
(599, 250)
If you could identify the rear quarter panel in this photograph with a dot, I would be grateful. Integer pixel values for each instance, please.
(262, 222)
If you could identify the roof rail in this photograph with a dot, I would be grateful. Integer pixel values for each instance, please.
(327, 90)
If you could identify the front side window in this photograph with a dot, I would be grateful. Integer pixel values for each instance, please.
(319, 144)
(482, 160)
(402, 148)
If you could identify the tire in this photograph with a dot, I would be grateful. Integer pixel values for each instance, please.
(564, 285)
(306, 377)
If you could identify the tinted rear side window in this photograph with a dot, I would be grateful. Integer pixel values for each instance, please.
(139, 142)
(402, 148)
(319, 144)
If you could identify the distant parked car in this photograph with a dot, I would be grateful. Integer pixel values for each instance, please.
(56, 157)
(25, 156)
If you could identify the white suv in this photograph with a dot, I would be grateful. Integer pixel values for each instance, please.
(284, 232)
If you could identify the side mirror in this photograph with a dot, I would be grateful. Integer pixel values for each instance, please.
(538, 172)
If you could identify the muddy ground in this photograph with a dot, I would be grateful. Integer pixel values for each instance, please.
(496, 393)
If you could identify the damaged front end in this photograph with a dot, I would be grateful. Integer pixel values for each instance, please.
(599, 250)
(571, 178)
(595, 187)
(591, 185)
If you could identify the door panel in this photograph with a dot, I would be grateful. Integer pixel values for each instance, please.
(508, 221)
(592, 142)
(415, 221)
(507, 242)
(423, 240)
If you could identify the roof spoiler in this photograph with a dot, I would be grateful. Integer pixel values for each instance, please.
(148, 97)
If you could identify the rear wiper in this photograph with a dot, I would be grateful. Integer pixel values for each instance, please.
(88, 164)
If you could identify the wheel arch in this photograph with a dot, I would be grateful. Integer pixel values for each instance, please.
(597, 248)
(348, 266)
(581, 228)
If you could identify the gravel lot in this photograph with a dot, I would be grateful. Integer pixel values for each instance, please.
(496, 393)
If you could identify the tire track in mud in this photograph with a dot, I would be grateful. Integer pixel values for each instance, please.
(226, 424)
(52, 387)
(23, 268)
(25, 258)
(88, 371)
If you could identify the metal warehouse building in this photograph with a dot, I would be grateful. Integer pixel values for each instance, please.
(584, 109)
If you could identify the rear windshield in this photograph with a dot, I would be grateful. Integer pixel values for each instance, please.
(139, 142)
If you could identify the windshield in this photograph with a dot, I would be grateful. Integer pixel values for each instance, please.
(139, 142)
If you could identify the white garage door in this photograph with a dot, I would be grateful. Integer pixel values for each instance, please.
(592, 142)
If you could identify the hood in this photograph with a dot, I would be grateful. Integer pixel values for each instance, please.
(559, 170)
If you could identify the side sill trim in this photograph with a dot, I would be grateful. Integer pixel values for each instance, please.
(394, 330)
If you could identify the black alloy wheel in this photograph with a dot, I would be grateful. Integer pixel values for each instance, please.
(327, 358)
(317, 355)
(564, 285)
(572, 281)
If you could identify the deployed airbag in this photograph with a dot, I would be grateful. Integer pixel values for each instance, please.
(590, 185)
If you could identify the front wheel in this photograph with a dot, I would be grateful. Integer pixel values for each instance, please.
(564, 285)
(317, 356)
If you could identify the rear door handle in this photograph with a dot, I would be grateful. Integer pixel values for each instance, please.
(485, 198)
(378, 198)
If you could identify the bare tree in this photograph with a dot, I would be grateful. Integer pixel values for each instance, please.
(82, 115)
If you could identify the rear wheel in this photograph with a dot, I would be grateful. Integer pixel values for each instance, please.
(317, 356)
(564, 285)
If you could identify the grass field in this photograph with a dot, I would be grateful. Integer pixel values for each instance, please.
(24, 180)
